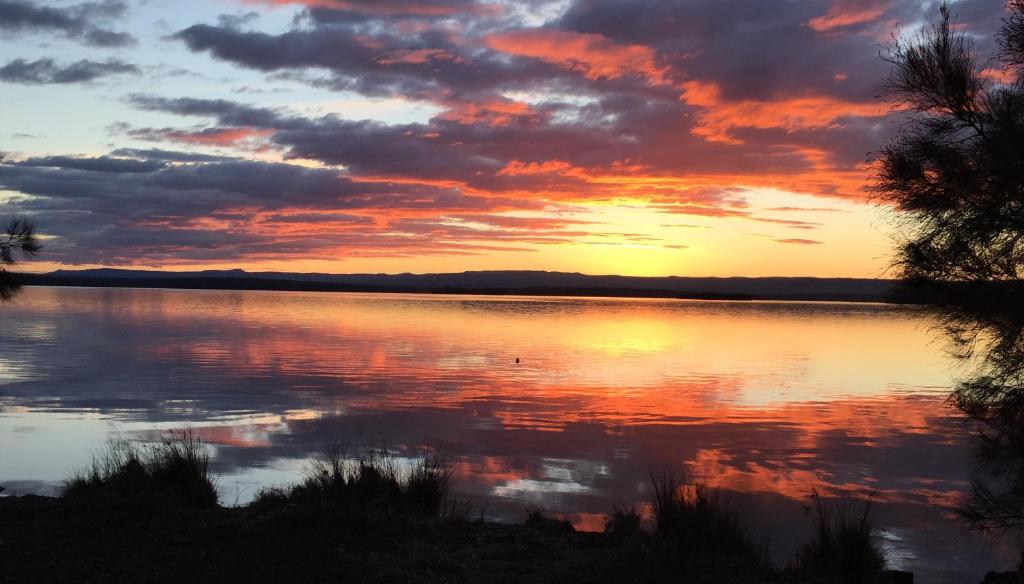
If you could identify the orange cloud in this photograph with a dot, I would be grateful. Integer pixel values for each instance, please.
(843, 14)
(1000, 76)
(491, 113)
(519, 168)
(593, 55)
(217, 136)
(687, 193)
(789, 113)
(419, 56)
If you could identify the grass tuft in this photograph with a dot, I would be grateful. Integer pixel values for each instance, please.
(427, 487)
(176, 471)
(622, 522)
(373, 481)
(842, 549)
(692, 515)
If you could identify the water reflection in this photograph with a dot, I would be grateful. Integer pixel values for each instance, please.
(765, 400)
(990, 340)
(8, 287)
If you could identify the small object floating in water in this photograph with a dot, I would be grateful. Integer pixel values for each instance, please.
(517, 359)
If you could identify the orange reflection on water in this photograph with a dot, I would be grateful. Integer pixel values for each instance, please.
(772, 400)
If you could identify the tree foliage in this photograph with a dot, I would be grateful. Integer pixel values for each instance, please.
(19, 238)
(955, 171)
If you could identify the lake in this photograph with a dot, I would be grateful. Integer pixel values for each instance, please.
(767, 401)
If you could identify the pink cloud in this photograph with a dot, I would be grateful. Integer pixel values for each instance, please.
(848, 13)
(592, 55)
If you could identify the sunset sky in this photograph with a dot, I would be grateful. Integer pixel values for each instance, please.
(688, 137)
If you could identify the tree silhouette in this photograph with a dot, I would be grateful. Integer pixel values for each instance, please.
(991, 397)
(955, 170)
(954, 173)
(19, 238)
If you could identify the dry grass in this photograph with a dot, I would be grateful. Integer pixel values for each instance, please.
(692, 515)
(842, 549)
(175, 471)
(373, 480)
(622, 522)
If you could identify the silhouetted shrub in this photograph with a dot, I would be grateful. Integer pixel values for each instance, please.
(537, 519)
(624, 522)
(699, 535)
(372, 482)
(842, 549)
(428, 484)
(175, 471)
(691, 515)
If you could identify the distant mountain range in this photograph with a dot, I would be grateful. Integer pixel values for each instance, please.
(484, 282)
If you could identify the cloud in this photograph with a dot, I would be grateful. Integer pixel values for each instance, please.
(749, 50)
(241, 209)
(247, 138)
(791, 223)
(846, 13)
(538, 160)
(77, 21)
(100, 164)
(721, 116)
(431, 8)
(807, 209)
(428, 64)
(798, 241)
(159, 155)
(47, 71)
(593, 55)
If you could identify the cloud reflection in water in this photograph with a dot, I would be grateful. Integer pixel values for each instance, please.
(765, 400)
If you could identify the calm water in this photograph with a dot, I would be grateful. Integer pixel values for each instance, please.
(768, 401)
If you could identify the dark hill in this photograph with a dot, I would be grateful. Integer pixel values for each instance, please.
(487, 282)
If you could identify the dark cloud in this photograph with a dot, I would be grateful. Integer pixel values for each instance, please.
(413, 7)
(750, 49)
(365, 147)
(228, 112)
(170, 206)
(78, 21)
(156, 154)
(747, 61)
(47, 71)
(237, 20)
(104, 164)
(425, 65)
(480, 155)
(761, 50)
(109, 182)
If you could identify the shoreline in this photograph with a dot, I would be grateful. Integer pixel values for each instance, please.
(263, 284)
(150, 513)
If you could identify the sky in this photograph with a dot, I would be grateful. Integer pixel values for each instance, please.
(659, 137)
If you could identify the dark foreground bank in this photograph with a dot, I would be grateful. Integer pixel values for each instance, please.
(43, 540)
(151, 515)
(51, 540)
